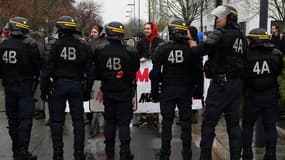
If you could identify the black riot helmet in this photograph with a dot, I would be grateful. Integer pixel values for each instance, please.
(67, 24)
(19, 26)
(115, 31)
(223, 11)
(258, 37)
(178, 30)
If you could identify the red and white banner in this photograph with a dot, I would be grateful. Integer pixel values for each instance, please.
(144, 102)
(143, 98)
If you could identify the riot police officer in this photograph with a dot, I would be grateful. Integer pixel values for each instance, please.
(20, 67)
(264, 64)
(173, 68)
(116, 66)
(67, 76)
(226, 48)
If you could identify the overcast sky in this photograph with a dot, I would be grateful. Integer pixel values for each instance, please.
(115, 10)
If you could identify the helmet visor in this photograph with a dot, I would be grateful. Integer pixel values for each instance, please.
(220, 12)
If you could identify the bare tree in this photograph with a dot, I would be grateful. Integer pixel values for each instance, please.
(42, 14)
(12, 8)
(158, 10)
(276, 8)
(88, 14)
(187, 10)
(277, 11)
(129, 26)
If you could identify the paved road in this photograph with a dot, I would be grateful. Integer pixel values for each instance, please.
(145, 142)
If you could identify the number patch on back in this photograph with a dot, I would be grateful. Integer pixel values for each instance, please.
(114, 63)
(10, 57)
(68, 53)
(176, 56)
(261, 68)
(238, 46)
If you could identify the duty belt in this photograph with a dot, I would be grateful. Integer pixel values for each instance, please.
(220, 79)
(18, 81)
(68, 78)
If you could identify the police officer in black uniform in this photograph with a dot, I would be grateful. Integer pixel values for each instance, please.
(226, 48)
(264, 64)
(70, 68)
(173, 68)
(20, 67)
(116, 66)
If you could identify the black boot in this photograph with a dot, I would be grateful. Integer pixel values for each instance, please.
(270, 155)
(110, 151)
(187, 152)
(163, 157)
(247, 154)
(205, 155)
(79, 155)
(110, 155)
(187, 155)
(24, 154)
(15, 150)
(58, 152)
(13, 132)
(125, 153)
(164, 154)
(235, 156)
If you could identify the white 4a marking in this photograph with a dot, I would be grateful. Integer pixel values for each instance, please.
(261, 69)
(238, 45)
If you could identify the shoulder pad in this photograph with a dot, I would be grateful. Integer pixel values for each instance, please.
(214, 37)
(277, 52)
(268, 45)
(85, 43)
(132, 49)
(3, 40)
(102, 45)
(163, 43)
(30, 41)
(82, 41)
(159, 40)
(52, 41)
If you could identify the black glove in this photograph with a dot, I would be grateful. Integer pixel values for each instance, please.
(44, 96)
(134, 89)
(155, 96)
(198, 93)
(86, 96)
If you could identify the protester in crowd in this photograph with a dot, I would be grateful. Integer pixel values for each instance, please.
(277, 38)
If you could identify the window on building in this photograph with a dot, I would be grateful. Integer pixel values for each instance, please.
(243, 26)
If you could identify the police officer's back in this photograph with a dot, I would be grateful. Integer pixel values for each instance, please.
(173, 67)
(264, 64)
(70, 68)
(116, 66)
(20, 66)
(226, 48)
